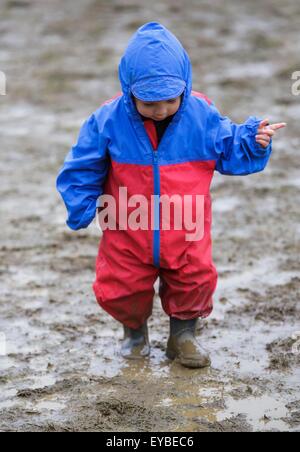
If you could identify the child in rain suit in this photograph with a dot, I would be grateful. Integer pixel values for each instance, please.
(156, 138)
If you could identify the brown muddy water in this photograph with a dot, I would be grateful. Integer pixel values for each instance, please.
(61, 370)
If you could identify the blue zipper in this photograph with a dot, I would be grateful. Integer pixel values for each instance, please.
(156, 232)
(141, 132)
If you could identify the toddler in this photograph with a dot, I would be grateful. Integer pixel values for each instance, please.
(157, 138)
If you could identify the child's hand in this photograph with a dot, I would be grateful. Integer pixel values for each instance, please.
(266, 131)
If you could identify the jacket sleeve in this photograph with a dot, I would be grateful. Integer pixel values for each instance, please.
(81, 179)
(236, 151)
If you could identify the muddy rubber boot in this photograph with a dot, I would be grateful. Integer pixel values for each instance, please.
(182, 344)
(135, 344)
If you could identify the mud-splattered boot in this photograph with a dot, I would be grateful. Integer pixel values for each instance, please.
(135, 344)
(182, 344)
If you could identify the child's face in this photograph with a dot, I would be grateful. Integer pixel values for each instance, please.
(158, 110)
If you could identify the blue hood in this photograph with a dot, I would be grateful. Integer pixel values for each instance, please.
(155, 67)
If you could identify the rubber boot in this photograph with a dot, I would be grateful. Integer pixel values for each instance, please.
(135, 344)
(182, 344)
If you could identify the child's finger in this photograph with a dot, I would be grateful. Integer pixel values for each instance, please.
(264, 122)
(265, 138)
(277, 126)
(263, 143)
(266, 131)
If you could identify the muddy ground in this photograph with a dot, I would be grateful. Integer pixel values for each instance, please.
(62, 371)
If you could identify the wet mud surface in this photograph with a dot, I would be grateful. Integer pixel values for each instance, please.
(62, 371)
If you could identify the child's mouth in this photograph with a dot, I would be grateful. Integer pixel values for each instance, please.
(161, 118)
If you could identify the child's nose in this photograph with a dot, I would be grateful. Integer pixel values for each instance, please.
(161, 112)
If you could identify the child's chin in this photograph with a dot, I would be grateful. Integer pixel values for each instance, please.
(159, 119)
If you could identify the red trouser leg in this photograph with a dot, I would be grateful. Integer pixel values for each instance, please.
(124, 284)
(186, 292)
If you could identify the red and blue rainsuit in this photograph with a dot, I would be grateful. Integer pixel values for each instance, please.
(116, 149)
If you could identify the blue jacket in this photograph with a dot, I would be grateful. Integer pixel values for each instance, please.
(115, 134)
